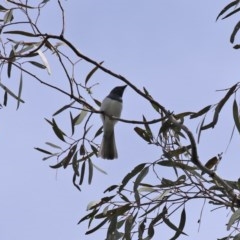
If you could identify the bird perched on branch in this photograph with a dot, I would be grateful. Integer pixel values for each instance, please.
(111, 106)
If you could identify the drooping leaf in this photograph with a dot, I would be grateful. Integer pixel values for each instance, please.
(74, 182)
(99, 169)
(90, 171)
(92, 72)
(99, 131)
(173, 227)
(8, 17)
(9, 68)
(59, 133)
(235, 216)
(148, 129)
(77, 120)
(82, 173)
(71, 152)
(75, 164)
(138, 180)
(154, 221)
(112, 229)
(97, 227)
(72, 123)
(5, 98)
(19, 90)
(236, 115)
(10, 92)
(234, 32)
(130, 175)
(181, 225)
(44, 61)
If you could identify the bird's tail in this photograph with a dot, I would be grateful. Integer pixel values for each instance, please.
(108, 149)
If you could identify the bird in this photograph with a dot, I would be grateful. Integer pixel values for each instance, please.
(110, 106)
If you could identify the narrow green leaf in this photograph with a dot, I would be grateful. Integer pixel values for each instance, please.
(9, 68)
(10, 92)
(140, 177)
(148, 129)
(44, 61)
(180, 228)
(235, 216)
(220, 106)
(37, 64)
(21, 5)
(112, 229)
(130, 175)
(8, 17)
(59, 133)
(72, 123)
(99, 169)
(111, 188)
(77, 120)
(53, 145)
(69, 156)
(173, 227)
(90, 171)
(167, 163)
(19, 90)
(75, 164)
(138, 180)
(154, 221)
(231, 13)
(201, 112)
(89, 216)
(82, 173)
(143, 134)
(99, 131)
(128, 227)
(97, 102)
(63, 108)
(94, 149)
(5, 98)
(92, 72)
(97, 227)
(226, 8)
(43, 151)
(74, 182)
(236, 115)
(3, 9)
(60, 164)
(82, 149)
(235, 30)
(141, 228)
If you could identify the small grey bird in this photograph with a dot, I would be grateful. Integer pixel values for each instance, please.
(112, 106)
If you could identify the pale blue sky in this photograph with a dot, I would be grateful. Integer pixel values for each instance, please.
(173, 48)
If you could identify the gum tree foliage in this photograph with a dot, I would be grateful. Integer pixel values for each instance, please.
(135, 208)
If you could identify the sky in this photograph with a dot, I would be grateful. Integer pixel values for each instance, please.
(176, 50)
